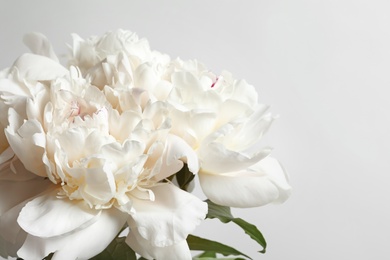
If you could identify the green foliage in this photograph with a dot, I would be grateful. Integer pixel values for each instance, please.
(202, 244)
(184, 177)
(117, 250)
(224, 214)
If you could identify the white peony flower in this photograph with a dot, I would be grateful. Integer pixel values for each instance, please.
(96, 159)
(221, 119)
(88, 149)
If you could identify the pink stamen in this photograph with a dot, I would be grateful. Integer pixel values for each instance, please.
(74, 109)
(216, 80)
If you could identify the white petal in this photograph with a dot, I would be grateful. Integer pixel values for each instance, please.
(261, 184)
(6, 154)
(10, 249)
(99, 185)
(14, 192)
(140, 245)
(30, 136)
(83, 244)
(13, 196)
(39, 44)
(215, 157)
(176, 152)
(8, 225)
(49, 216)
(36, 67)
(170, 218)
(277, 175)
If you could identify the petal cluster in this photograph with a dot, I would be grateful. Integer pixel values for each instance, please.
(91, 147)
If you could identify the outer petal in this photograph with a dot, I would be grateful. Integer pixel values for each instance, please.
(14, 194)
(39, 44)
(36, 67)
(215, 157)
(83, 244)
(49, 216)
(170, 218)
(29, 136)
(261, 184)
(179, 251)
(15, 189)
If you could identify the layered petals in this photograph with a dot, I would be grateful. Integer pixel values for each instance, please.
(260, 184)
(168, 219)
(48, 216)
(179, 251)
(98, 236)
(89, 148)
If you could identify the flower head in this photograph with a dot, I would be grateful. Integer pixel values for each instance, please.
(90, 148)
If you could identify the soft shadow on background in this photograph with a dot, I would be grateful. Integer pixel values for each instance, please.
(322, 65)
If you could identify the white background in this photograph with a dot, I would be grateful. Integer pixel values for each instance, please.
(324, 66)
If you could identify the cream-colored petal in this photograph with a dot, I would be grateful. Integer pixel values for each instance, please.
(169, 218)
(48, 216)
(215, 157)
(39, 44)
(176, 152)
(83, 244)
(261, 184)
(36, 67)
(140, 245)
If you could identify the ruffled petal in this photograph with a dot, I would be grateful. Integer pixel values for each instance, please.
(140, 245)
(169, 218)
(82, 244)
(261, 184)
(29, 136)
(48, 216)
(176, 152)
(215, 157)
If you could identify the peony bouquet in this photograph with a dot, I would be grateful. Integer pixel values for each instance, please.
(98, 158)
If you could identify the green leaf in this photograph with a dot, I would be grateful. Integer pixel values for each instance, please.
(117, 250)
(184, 177)
(224, 214)
(202, 244)
(207, 254)
(213, 256)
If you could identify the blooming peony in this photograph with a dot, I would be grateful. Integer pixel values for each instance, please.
(94, 160)
(91, 148)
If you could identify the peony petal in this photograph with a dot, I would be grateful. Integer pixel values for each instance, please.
(99, 185)
(170, 218)
(36, 67)
(6, 154)
(13, 196)
(140, 245)
(259, 185)
(9, 227)
(14, 192)
(30, 136)
(10, 249)
(39, 44)
(49, 216)
(82, 244)
(277, 175)
(215, 157)
(177, 151)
